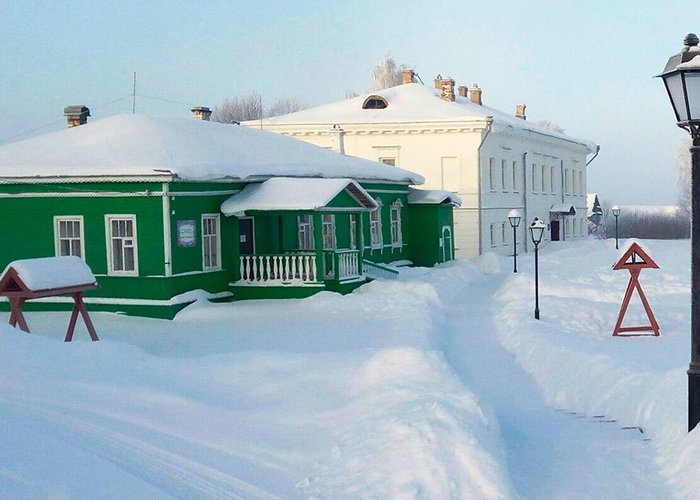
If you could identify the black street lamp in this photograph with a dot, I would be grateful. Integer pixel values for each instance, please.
(681, 77)
(514, 217)
(616, 212)
(537, 228)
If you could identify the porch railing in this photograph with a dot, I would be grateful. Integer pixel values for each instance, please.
(375, 271)
(341, 264)
(287, 269)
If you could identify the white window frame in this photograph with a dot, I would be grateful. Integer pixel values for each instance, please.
(552, 186)
(544, 178)
(57, 237)
(376, 238)
(504, 186)
(328, 231)
(108, 236)
(515, 177)
(305, 232)
(534, 177)
(492, 174)
(396, 234)
(207, 237)
(492, 229)
(503, 233)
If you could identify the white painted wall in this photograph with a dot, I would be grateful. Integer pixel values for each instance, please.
(459, 157)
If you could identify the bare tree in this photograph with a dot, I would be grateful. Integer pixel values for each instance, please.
(250, 107)
(684, 177)
(238, 109)
(283, 106)
(550, 126)
(386, 73)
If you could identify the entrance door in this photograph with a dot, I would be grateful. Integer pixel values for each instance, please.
(446, 244)
(554, 230)
(245, 236)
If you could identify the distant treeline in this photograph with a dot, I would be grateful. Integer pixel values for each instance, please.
(667, 223)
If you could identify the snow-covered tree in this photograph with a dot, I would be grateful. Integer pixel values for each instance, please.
(282, 106)
(386, 73)
(684, 177)
(238, 109)
(550, 126)
(250, 107)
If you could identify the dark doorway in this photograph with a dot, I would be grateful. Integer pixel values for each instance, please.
(245, 236)
(554, 230)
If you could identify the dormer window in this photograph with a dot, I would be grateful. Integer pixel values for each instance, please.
(375, 102)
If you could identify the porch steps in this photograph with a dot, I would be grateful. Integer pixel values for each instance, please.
(375, 271)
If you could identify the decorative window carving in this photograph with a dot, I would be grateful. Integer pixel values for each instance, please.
(375, 102)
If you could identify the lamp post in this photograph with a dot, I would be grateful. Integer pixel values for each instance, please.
(514, 217)
(681, 77)
(616, 212)
(537, 228)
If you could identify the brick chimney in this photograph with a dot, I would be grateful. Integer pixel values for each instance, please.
(407, 76)
(76, 115)
(446, 86)
(475, 94)
(463, 91)
(520, 111)
(201, 113)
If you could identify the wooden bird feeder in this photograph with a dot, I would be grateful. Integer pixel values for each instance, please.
(48, 277)
(634, 259)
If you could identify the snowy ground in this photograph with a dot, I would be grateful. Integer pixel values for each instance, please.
(439, 385)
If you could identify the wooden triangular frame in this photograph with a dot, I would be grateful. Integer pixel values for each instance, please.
(634, 260)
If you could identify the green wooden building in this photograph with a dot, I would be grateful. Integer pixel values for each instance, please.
(165, 211)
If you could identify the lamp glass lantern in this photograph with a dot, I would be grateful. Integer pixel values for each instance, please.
(615, 210)
(514, 217)
(537, 228)
(681, 78)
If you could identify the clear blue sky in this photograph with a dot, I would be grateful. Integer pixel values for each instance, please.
(585, 65)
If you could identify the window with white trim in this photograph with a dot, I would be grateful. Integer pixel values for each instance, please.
(122, 246)
(544, 178)
(567, 181)
(305, 232)
(534, 178)
(552, 187)
(211, 242)
(68, 236)
(574, 181)
(395, 217)
(581, 186)
(353, 231)
(375, 227)
(503, 176)
(503, 233)
(492, 174)
(515, 177)
(328, 231)
(492, 230)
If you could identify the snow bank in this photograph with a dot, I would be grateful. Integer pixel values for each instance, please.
(328, 397)
(639, 381)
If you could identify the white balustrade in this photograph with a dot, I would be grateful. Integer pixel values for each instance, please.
(288, 269)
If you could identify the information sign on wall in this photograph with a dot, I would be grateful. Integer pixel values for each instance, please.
(186, 233)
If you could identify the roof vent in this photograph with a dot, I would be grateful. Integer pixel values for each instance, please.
(76, 115)
(201, 113)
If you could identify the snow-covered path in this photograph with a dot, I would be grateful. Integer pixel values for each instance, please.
(545, 447)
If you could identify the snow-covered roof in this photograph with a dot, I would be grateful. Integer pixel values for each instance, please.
(139, 145)
(283, 193)
(52, 272)
(411, 102)
(432, 196)
(563, 208)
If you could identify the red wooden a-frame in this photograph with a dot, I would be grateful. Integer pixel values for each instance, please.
(17, 292)
(634, 260)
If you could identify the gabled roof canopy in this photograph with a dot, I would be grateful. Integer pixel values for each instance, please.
(290, 194)
(563, 209)
(432, 197)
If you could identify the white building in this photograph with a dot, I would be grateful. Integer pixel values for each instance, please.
(495, 162)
